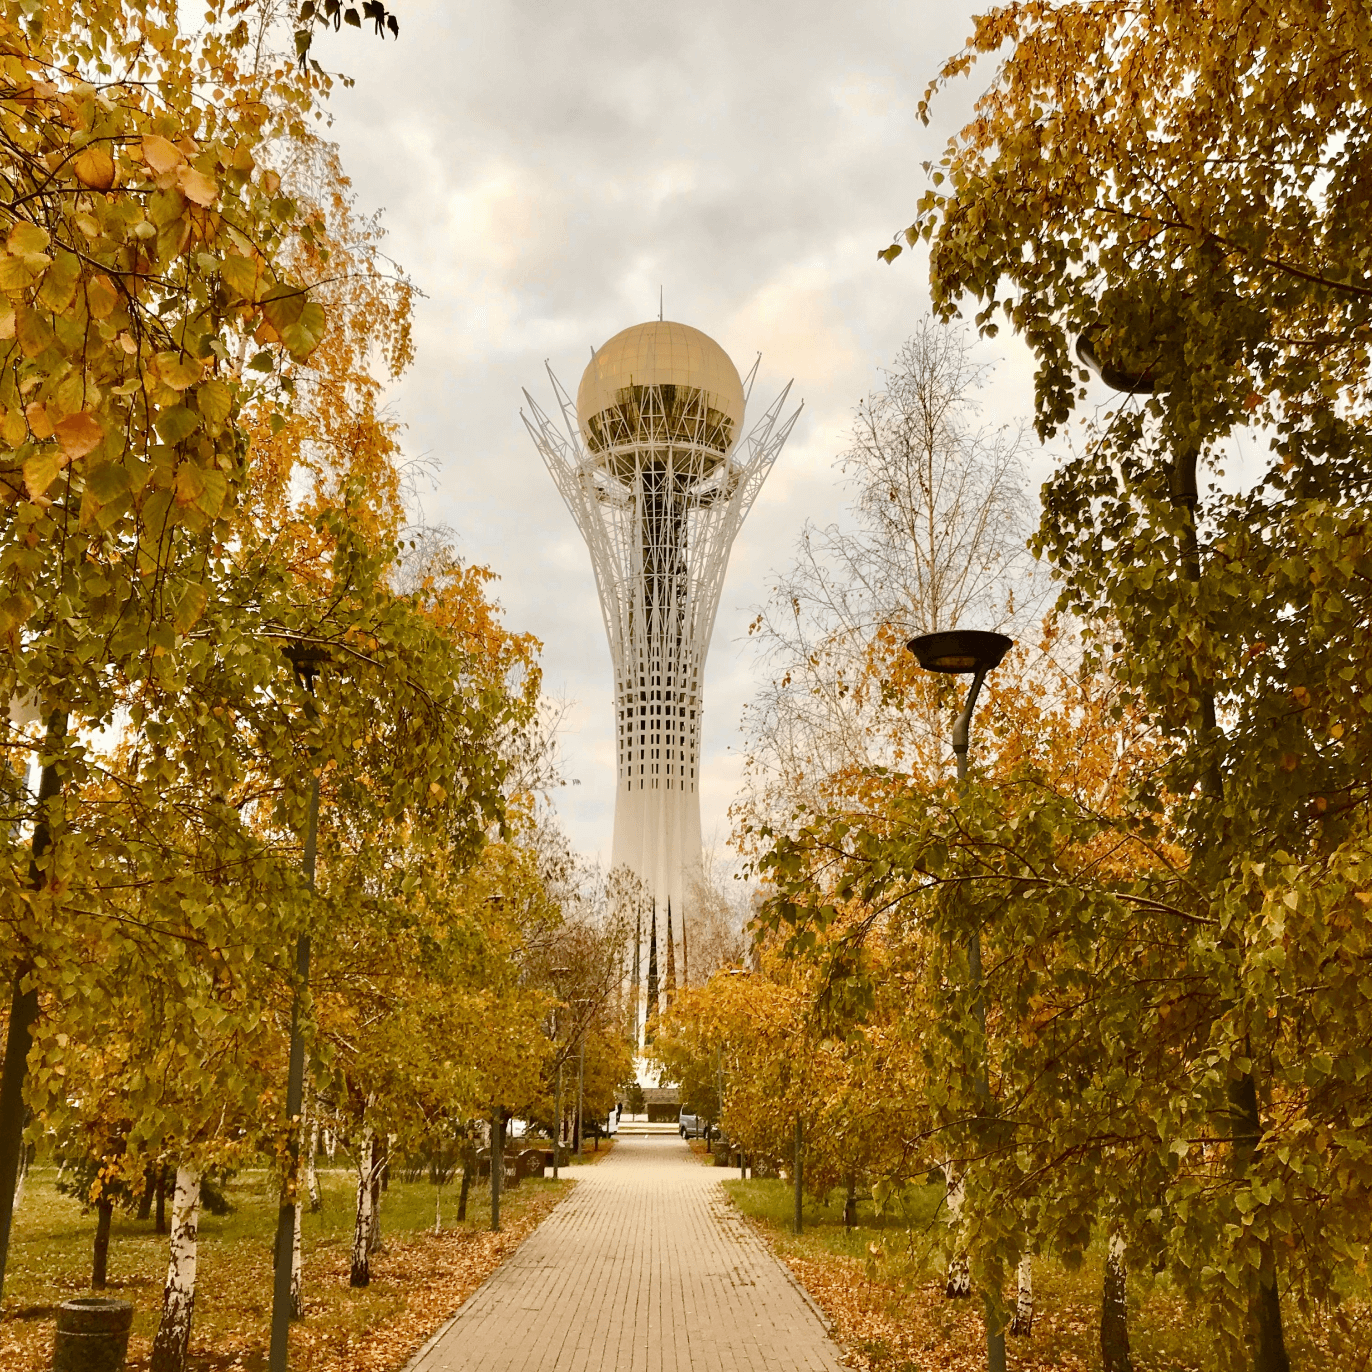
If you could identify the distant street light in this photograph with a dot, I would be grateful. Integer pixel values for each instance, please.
(307, 659)
(583, 1001)
(957, 652)
(557, 974)
(960, 652)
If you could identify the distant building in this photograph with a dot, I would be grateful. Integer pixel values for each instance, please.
(663, 1104)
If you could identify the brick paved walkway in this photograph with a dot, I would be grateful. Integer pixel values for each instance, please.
(645, 1267)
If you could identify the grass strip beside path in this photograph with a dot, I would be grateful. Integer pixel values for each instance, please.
(418, 1280)
(881, 1287)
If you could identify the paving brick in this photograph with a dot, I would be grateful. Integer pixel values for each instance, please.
(645, 1267)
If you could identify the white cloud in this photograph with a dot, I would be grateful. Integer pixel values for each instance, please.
(544, 169)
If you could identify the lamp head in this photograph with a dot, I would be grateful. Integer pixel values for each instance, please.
(960, 651)
(307, 659)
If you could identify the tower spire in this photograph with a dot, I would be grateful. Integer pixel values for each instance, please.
(633, 992)
(651, 1013)
(671, 959)
(685, 968)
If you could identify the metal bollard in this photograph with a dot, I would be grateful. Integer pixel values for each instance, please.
(92, 1335)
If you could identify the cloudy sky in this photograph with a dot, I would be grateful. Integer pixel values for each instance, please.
(544, 169)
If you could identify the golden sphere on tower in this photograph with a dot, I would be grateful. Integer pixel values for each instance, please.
(657, 384)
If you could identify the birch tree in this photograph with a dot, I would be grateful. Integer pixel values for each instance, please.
(178, 1294)
(935, 538)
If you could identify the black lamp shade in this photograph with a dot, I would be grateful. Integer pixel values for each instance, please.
(960, 650)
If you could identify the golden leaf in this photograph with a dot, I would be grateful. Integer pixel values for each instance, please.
(39, 423)
(94, 167)
(196, 186)
(101, 297)
(40, 471)
(33, 331)
(190, 483)
(178, 370)
(79, 434)
(190, 607)
(25, 239)
(13, 428)
(159, 154)
(7, 324)
(240, 275)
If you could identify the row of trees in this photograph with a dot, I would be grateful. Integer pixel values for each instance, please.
(1163, 849)
(216, 619)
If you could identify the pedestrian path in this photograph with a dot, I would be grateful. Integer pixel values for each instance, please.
(645, 1267)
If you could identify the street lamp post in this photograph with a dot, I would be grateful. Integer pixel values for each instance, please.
(558, 974)
(580, 1090)
(306, 659)
(497, 1165)
(1243, 1096)
(582, 1002)
(960, 652)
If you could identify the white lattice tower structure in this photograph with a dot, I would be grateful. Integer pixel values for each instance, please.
(651, 465)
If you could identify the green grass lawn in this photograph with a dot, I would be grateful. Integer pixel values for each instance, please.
(50, 1261)
(881, 1284)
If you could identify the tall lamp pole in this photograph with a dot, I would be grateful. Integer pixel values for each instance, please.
(306, 659)
(960, 652)
(558, 974)
(1271, 1354)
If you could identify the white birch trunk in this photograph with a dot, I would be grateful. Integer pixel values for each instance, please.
(21, 1177)
(311, 1176)
(330, 1143)
(374, 1234)
(1023, 1323)
(178, 1295)
(1114, 1313)
(959, 1283)
(297, 1276)
(362, 1231)
(438, 1210)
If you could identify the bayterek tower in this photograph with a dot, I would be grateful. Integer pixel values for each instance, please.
(658, 473)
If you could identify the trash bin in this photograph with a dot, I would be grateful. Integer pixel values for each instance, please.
(92, 1335)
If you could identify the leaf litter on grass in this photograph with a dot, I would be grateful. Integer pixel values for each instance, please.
(419, 1279)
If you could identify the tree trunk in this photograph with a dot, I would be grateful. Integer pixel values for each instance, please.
(311, 1174)
(497, 1167)
(1269, 1352)
(1023, 1323)
(25, 1161)
(958, 1285)
(161, 1224)
(178, 1295)
(362, 1231)
(149, 1186)
(24, 1005)
(850, 1203)
(1114, 1311)
(468, 1167)
(101, 1258)
(438, 1209)
(297, 1275)
(378, 1170)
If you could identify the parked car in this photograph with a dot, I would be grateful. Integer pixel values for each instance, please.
(691, 1126)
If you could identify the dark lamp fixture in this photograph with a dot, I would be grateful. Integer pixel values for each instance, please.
(1117, 378)
(307, 659)
(960, 650)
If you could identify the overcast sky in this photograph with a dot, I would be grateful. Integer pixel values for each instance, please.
(543, 170)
